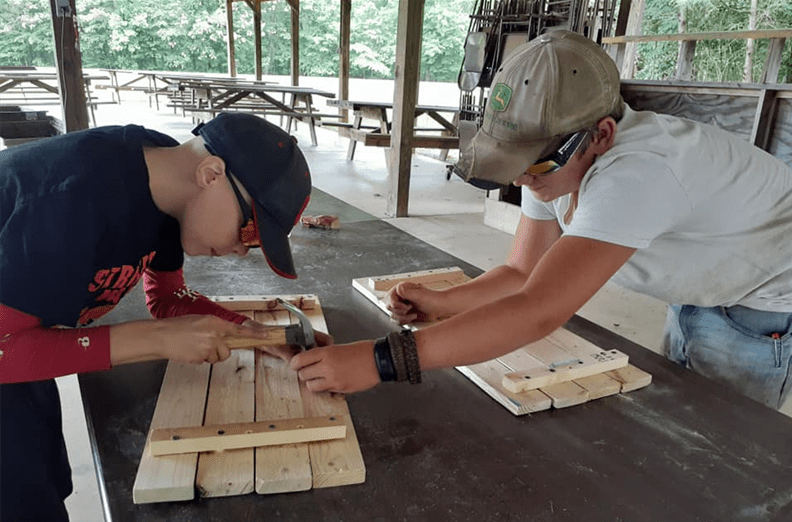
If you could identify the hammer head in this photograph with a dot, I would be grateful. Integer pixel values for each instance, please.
(302, 333)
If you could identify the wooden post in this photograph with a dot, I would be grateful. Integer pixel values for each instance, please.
(295, 41)
(616, 51)
(69, 65)
(633, 28)
(230, 27)
(343, 46)
(772, 65)
(687, 49)
(408, 62)
(684, 68)
(764, 120)
(256, 6)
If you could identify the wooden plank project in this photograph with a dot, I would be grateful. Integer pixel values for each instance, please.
(226, 415)
(222, 437)
(563, 369)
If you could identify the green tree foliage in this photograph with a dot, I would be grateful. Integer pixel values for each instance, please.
(25, 33)
(714, 60)
(190, 35)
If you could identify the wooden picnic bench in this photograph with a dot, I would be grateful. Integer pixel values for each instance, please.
(34, 87)
(203, 99)
(379, 134)
(157, 83)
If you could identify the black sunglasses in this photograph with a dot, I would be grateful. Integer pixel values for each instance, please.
(247, 211)
(560, 157)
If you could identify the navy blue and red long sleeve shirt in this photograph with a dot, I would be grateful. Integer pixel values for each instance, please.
(78, 230)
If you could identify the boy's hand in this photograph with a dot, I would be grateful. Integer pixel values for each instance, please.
(413, 302)
(342, 368)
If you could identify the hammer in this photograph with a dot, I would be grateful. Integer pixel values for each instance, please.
(301, 333)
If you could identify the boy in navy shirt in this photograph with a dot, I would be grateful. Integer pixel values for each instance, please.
(86, 215)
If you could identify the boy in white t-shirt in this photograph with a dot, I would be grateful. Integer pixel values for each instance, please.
(671, 208)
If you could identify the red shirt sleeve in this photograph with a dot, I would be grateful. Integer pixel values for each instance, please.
(30, 352)
(168, 296)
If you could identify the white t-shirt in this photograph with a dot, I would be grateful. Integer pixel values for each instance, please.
(710, 214)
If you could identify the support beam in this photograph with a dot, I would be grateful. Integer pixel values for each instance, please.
(408, 64)
(257, 33)
(684, 68)
(69, 66)
(764, 120)
(635, 20)
(616, 51)
(230, 26)
(343, 46)
(295, 41)
(772, 64)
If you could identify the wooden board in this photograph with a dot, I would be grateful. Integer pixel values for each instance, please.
(556, 358)
(248, 387)
(223, 437)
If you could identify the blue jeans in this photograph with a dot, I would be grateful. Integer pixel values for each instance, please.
(748, 350)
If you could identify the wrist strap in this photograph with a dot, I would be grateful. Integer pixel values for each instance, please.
(384, 360)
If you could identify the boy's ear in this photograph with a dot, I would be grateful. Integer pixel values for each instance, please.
(209, 170)
(606, 134)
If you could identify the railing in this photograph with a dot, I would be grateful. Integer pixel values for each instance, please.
(622, 49)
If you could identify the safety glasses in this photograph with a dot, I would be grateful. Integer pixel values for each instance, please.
(247, 212)
(248, 233)
(560, 157)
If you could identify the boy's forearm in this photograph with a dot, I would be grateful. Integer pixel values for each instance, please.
(482, 334)
(494, 284)
(134, 342)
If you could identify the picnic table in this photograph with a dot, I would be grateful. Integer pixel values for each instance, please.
(157, 83)
(379, 134)
(34, 87)
(208, 97)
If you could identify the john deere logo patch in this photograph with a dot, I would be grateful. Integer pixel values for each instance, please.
(499, 99)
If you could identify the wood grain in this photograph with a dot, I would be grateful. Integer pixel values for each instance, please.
(282, 468)
(231, 400)
(181, 403)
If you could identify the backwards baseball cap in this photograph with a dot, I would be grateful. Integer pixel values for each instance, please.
(267, 162)
(548, 88)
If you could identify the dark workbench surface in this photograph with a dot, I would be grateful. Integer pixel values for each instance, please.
(682, 449)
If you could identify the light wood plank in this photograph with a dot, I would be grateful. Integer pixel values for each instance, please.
(264, 302)
(335, 462)
(181, 403)
(223, 437)
(631, 377)
(231, 400)
(599, 385)
(566, 394)
(561, 366)
(489, 377)
(385, 283)
(525, 359)
(281, 468)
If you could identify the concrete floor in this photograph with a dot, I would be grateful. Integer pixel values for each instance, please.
(447, 214)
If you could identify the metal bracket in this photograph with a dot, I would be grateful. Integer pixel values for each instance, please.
(63, 9)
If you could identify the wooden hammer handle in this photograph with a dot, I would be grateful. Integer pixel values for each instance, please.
(276, 336)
